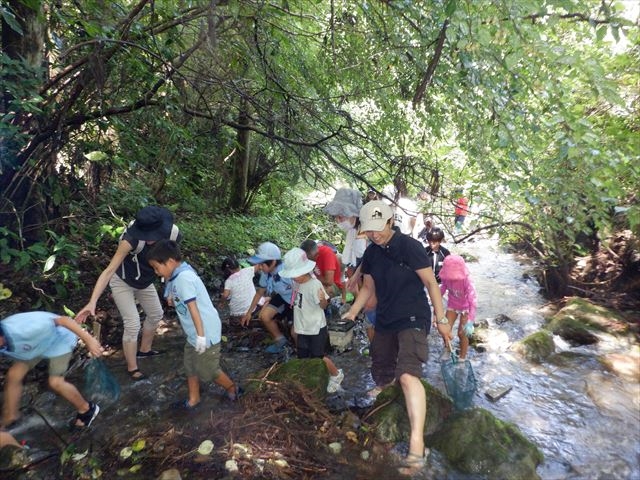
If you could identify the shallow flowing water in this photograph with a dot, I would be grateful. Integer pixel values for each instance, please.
(585, 420)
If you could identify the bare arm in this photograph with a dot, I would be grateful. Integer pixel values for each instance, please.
(256, 298)
(195, 316)
(368, 288)
(92, 344)
(324, 300)
(429, 281)
(123, 250)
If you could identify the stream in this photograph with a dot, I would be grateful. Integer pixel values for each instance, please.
(584, 419)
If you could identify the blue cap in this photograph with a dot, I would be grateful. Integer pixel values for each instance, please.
(267, 251)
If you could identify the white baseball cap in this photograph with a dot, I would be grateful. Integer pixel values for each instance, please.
(374, 216)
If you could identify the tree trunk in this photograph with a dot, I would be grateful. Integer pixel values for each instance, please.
(26, 47)
(241, 163)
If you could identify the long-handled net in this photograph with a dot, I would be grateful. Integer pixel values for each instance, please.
(459, 381)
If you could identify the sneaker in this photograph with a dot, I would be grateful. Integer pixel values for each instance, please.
(277, 346)
(87, 417)
(233, 397)
(334, 382)
(184, 405)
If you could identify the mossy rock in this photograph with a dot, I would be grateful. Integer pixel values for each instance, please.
(577, 321)
(390, 417)
(475, 442)
(537, 347)
(311, 373)
(12, 457)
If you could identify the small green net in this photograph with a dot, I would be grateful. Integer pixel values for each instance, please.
(460, 382)
(99, 383)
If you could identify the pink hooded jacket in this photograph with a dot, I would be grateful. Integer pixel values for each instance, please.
(455, 278)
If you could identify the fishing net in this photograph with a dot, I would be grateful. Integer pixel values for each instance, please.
(99, 383)
(460, 382)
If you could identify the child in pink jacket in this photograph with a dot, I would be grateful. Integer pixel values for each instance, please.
(461, 301)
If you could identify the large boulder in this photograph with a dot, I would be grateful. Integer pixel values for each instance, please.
(476, 442)
(537, 347)
(390, 417)
(473, 441)
(580, 320)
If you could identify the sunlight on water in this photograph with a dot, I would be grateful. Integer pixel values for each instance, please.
(584, 419)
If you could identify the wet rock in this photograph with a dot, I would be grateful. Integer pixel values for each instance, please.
(496, 393)
(537, 347)
(12, 457)
(476, 442)
(171, 474)
(392, 422)
(578, 321)
(312, 373)
(627, 366)
(335, 448)
(473, 441)
(231, 466)
(502, 319)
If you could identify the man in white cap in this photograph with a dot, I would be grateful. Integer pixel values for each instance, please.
(395, 268)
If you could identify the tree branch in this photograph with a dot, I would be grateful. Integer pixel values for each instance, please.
(433, 63)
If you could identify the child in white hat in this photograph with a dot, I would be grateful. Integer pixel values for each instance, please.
(309, 321)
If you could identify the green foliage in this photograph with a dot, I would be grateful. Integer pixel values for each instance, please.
(80, 465)
(525, 104)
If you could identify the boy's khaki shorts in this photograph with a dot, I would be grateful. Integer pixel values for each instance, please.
(205, 366)
(57, 365)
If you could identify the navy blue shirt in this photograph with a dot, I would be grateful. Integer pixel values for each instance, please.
(402, 299)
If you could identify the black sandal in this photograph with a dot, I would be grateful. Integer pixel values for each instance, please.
(136, 374)
(84, 420)
(150, 353)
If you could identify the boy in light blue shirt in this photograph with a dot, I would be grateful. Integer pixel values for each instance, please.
(198, 318)
(29, 337)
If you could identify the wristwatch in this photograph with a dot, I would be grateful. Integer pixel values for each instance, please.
(443, 321)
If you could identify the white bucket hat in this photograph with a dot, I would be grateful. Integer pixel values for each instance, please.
(296, 263)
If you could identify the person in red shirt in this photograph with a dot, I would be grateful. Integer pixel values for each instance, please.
(462, 209)
(328, 269)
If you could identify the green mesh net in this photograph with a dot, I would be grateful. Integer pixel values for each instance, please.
(460, 382)
(99, 383)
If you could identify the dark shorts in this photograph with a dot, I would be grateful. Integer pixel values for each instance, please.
(313, 346)
(282, 307)
(396, 353)
(460, 218)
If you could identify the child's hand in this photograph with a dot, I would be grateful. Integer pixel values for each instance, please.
(94, 347)
(349, 316)
(468, 329)
(201, 344)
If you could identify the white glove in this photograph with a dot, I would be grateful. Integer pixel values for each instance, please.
(201, 344)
